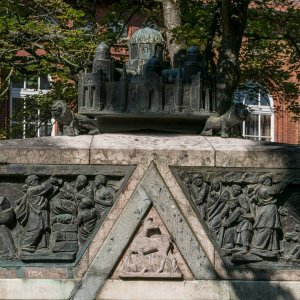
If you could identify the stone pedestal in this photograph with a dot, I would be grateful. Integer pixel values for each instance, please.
(153, 189)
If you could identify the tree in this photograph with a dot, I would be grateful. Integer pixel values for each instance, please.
(59, 39)
(239, 40)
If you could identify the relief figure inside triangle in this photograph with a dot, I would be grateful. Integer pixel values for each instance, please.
(252, 216)
(152, 252)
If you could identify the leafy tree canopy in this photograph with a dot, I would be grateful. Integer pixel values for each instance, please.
(270, 49)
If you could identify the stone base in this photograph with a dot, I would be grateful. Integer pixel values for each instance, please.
(150, 276)
(248, 258)
(199, 290)
(206, 276)
(50, 257)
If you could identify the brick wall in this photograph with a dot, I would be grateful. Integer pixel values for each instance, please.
(286, 130)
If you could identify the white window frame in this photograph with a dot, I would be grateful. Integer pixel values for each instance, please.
(22, 93)
(261, 110)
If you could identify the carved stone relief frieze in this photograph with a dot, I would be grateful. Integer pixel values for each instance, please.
(50, 213)
(252, 216)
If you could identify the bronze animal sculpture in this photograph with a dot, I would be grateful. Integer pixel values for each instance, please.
(71, 123)
(226, 123)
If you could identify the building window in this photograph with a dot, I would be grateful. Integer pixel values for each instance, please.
(260, 123)
(21, 125)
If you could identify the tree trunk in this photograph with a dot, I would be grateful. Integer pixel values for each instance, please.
(172, 19)
(234, 19)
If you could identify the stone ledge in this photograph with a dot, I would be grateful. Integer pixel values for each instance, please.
(47, 150)
(249, 153)
(135, 148)
(23, 289)
(199, 290)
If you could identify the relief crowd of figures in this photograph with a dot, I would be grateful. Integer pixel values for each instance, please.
(56, 217)
(245, 219)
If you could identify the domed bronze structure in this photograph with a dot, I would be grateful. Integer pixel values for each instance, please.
(144, 95)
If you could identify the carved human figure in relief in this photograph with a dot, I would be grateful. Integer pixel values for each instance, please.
(7, 217)
(103, 195)
(32, 212)
(239, 223)
(199, 191)
(217, 217)
(86, 219)
(214, 202)
(265, 241)
(82, 188)
(63, 208)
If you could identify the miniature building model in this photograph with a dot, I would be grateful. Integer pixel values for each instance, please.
(144, 88)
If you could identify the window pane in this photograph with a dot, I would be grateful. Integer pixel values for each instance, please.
(31, 130)
(17, 131)
(31, 83)
(264, 100)
(251, 125)
(44, 83)
(18, 83)
(45, 130)
(17, 105)
(265, 125)
(251, 97)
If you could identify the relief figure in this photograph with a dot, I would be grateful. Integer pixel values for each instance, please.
(242, 219)
(103, 195)
(151, 240)
(265, 241)
(7, 217)
(32, 212)
(199, 191)
(86, 219)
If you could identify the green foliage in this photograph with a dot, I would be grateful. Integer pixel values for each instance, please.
(270, 54)
(59, 38)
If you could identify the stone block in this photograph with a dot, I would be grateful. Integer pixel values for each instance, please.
(65, 246)
(58, 236)
(46, 150)
(248, 153)
(43, 273)
(65, 227)
(71, 236)
(36, 289)
(142, 149)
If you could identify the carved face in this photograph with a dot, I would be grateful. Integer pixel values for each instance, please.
(198, 181)
(236, 190)
(81, 182)
(32, 180)
(35, 182)
(232, 205)
(225, 196)
(100, 179)
(216, 185)
(267, 181)
(187, 180)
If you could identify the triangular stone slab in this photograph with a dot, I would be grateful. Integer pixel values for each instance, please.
(152, 254)
(151, 191)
